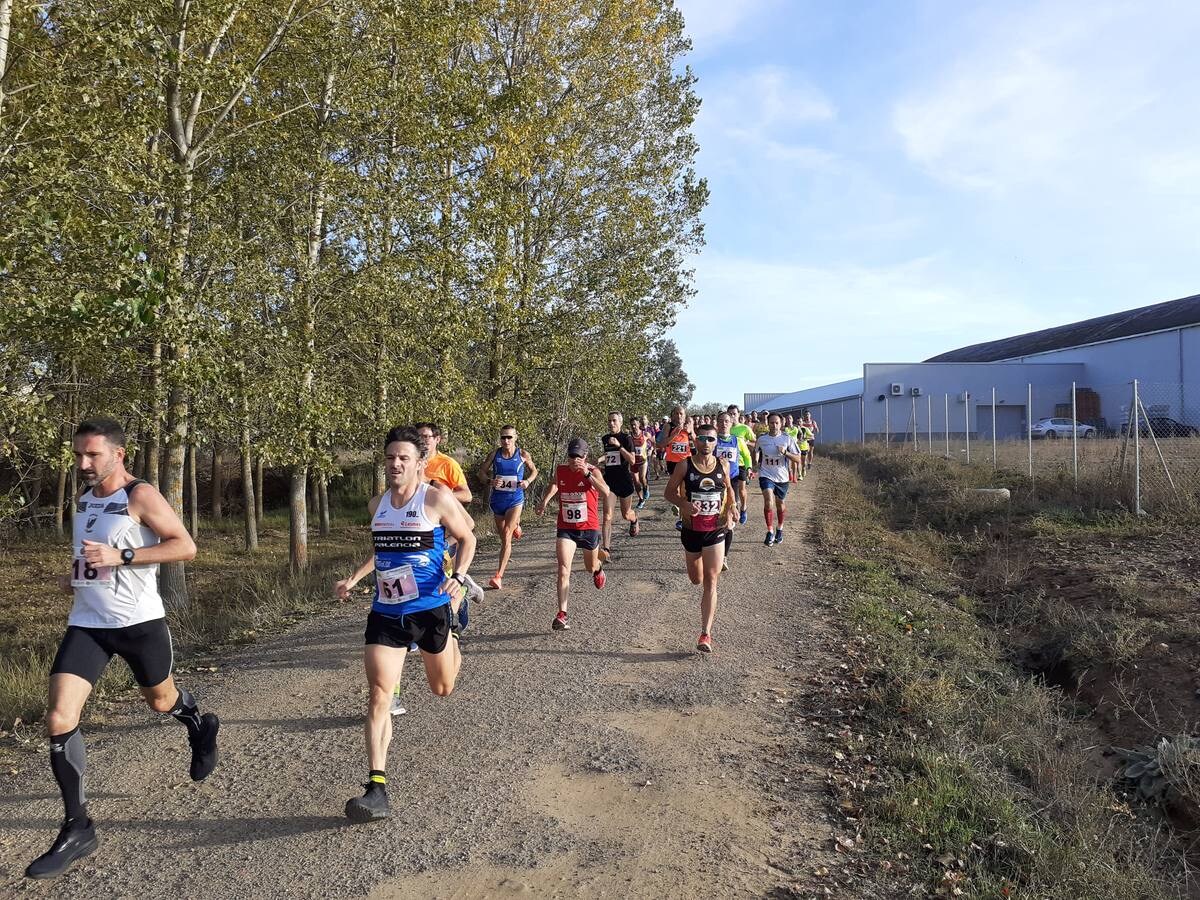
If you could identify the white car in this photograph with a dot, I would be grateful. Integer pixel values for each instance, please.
(1054, 427)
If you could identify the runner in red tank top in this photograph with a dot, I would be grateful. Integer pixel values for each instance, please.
(578, 486)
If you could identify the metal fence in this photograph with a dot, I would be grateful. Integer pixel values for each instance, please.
(1134, 442)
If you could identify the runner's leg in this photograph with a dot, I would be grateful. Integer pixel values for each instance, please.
(383, 666)
(506, 526)
(441, 669)
(565, 550)
(695, 569)
(712, 557)
(610, 505)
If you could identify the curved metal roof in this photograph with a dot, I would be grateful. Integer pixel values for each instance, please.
(1160, 316)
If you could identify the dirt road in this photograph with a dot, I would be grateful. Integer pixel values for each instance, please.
(608, 760)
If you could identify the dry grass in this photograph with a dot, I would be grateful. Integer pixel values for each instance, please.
(987, 779)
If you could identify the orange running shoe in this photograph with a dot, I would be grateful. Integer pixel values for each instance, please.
(704, 644)
(495, 583)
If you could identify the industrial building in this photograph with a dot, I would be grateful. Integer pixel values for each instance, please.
(952, 393)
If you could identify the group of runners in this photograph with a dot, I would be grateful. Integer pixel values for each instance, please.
(423, 549)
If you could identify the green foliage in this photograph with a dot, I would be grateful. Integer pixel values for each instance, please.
(291, 224)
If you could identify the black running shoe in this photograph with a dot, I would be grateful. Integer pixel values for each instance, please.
(75, 840)
(204, 747)
(779, 535)
(769, 539)
(371, 806)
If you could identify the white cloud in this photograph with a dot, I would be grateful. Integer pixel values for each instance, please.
(710, 23)
(1060, 95)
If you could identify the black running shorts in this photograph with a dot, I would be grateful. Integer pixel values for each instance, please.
(429, 629)
(145, 647)
(619, 481)
(695, 541)
(584, 538)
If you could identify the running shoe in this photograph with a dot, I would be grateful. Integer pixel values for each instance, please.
(605, 554)
(779, 535)
(641, 504)
(371, 806)
(769, 539)
(496, 583)
(474, 591)
(464, 614)
(76, 839)
(413, 648)
(679, 524)
(517, 534)
(397, 709)
(560, 622)
(724, 565)
(704, 644)
(598, 578)
(742, 518)
(634, 528)
(204, 747)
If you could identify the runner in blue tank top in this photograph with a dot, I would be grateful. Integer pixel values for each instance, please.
(415, 602)
(509, 470)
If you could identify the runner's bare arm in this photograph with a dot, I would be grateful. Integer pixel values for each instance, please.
(550, 494)
(530, 467)
(485, 471)
(342, 588)
(458, 525)
(150, 508)
(672, 492)
(599, 482)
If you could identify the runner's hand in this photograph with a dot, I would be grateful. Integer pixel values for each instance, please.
(101, 554)
(454, 589)
(341, 590)
(541, 510)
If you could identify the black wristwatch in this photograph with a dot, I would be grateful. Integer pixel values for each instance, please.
(127, 557)
(460, 578)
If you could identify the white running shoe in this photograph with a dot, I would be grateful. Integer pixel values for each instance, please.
(474, 591)
(397, 709)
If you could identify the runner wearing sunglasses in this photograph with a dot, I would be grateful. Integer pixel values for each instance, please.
(509, 471)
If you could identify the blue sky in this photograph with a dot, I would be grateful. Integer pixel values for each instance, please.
(891, 180)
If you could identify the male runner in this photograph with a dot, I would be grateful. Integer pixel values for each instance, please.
(662, 431)
(509, 470)
(700, 488)
(730, 449)
(739, 428)
(773, 450)
(807, 421)
(616, 456)
(804, 442)
(793, 431)
(578, 486)
(123, 528)
(414, 599)
(643, 448)
(678, 446)
(443, 468)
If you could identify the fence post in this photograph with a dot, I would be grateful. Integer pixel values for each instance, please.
(929, 419)
(862, 420)
(1074, 437)
(887, 422)
(914, 421)
(1029, 425)
(967, 420)
(993, 429)
(1137, 453)
(946, 424)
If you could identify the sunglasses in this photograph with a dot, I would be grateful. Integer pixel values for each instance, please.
(707, 438)
(579, 456)
(508, 437)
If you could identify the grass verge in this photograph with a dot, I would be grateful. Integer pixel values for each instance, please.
(981, 784)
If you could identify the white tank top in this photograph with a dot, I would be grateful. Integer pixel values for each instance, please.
(112, 596)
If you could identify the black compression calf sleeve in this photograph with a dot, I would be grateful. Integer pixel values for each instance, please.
(68, 760)
(728, 540)
(186, 711)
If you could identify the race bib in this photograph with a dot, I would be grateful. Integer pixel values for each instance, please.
(727, 453)
(84, 574)
(772, 460)
(639, 450)
(612, 458)
(575, 513)
(398, 585)
(706, 503)
(679, 447)
(506, 482)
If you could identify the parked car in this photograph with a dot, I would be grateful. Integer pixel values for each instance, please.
(1163, 427)
(1055, 427)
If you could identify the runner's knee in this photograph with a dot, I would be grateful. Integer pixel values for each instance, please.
(59, 721)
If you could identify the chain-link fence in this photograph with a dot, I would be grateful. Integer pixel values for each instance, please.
(1134, 444)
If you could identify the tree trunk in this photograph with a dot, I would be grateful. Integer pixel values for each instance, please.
(154, 461)
(193, 494)
(323, 491)
(248, 495)
(218, 483)
(381, 402)
(61, 500)
(298, 520)
(258, 490)
(5, 30)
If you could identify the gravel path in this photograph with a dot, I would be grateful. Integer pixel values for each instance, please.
(607, 760)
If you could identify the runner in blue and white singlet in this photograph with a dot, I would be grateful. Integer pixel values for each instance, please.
(509, 470)
(408, 558)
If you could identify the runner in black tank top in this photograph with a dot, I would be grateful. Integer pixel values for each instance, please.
(701, 489)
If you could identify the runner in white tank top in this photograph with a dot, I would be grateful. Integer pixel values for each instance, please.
(122, 529)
